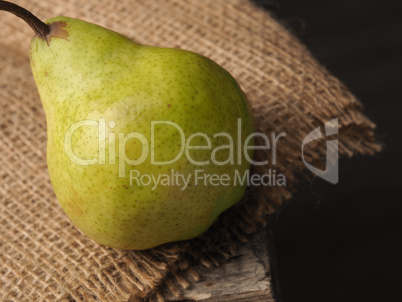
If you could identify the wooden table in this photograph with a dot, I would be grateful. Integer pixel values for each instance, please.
(247, 277)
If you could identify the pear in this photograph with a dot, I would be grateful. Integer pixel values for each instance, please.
(146, 145)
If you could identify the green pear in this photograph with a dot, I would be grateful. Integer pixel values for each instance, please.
(146, 145)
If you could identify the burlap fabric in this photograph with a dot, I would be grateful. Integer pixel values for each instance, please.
(43, 257)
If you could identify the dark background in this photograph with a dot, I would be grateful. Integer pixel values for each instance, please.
(342, 242)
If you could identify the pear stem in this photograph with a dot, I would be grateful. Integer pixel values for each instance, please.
(39, 27)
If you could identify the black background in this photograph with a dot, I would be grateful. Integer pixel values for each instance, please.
(342, 242)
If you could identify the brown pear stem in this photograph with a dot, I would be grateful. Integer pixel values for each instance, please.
(39, 27)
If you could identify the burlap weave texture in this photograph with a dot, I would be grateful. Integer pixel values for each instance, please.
(43, 257)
